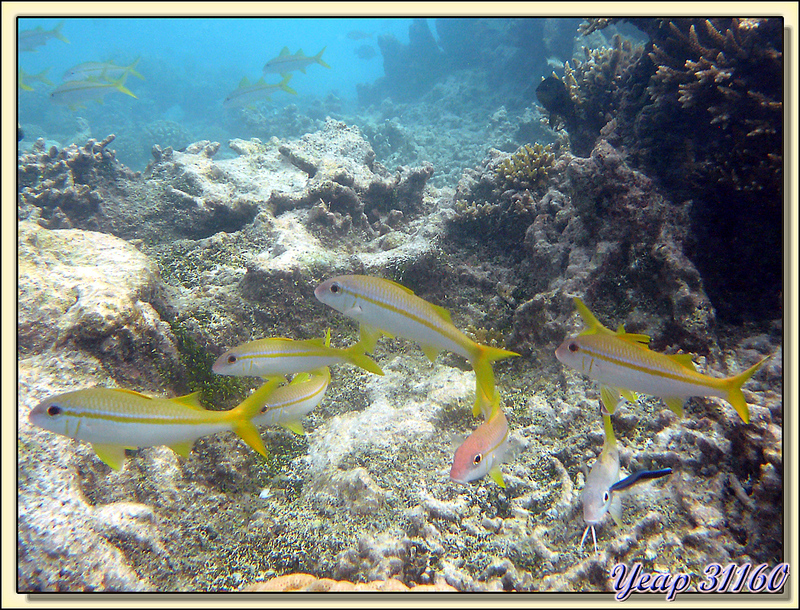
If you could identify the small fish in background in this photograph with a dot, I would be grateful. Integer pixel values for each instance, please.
(358, 35)
(101, 70)
(365, 51)
(248, 93)
(287, 405)
(26, 81)
(624, 365)
(285, 62)
(600, 495)
(28, 40)
(113, 420)
(383, 307)
(553, 95)
(281, 356)
(75, 93)
(483, 451)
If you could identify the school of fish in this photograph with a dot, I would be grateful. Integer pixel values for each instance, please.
(114, 420)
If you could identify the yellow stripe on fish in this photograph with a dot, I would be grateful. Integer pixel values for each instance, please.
(623, 363)
(113, 420)
(288, 404)
(384, 307)
(281, 356)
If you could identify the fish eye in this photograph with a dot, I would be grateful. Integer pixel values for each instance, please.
(573, 347)
(232, 359)
(606, 497)
(334, 288)
(477, 459)
(53, 410)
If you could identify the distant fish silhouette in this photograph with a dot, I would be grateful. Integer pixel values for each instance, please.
(358, 35)
(553, 95)
(365, 52)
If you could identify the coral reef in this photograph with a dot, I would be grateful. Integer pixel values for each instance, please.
(527, 168)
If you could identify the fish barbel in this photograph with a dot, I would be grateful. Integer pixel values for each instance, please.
(623, 364)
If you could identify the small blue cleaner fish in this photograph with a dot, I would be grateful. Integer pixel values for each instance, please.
(285, 62)
(113, 420)
(384, 307)
(601, 493)
(623, 364)
(288, 404)
(281, 356)
(483, 451)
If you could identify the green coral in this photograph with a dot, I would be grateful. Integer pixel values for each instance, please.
(528, 168)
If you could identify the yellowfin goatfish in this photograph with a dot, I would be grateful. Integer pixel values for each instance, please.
(385, 307)
(623, 364)
(113, 420)
(25, 80)
(248, 93)
(285, 62)
(600, 494)
(280, 356)
(28, 40)
(288, 404)
(101, 70)
(483, 451)
(75, 93)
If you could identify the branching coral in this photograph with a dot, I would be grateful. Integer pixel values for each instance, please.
(528, 167)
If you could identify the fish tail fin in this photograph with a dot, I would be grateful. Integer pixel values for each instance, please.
(318, 58)
(357, 356)
(119, 85)
(57, 32)
(735, 395)
(241, 416)
(485, 392)
(130, 69)
(285, 86)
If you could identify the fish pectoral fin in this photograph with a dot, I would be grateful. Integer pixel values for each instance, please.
(294, 426)
(497, 476)
(182, 449)
(353, 311)
(113, 455)
(615, 509)
(430, 351)
(610, 398)
(676, 404)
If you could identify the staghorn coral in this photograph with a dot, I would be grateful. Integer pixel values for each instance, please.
(528, 168)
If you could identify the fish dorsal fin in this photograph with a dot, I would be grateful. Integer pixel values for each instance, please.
(405, 289)
(245, 82)
(260, 81)
(593, 325)
(443, 312)
(134, 392)
(636, 339)
(284, 52)
(189, 400)
(300, 53)
(685, 360)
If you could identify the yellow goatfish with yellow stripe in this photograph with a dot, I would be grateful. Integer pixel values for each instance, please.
(623, 364)
(384, 307)
(287, 404)
(113, 420)
(282, 356)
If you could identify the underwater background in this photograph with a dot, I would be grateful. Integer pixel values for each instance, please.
(634, 163)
